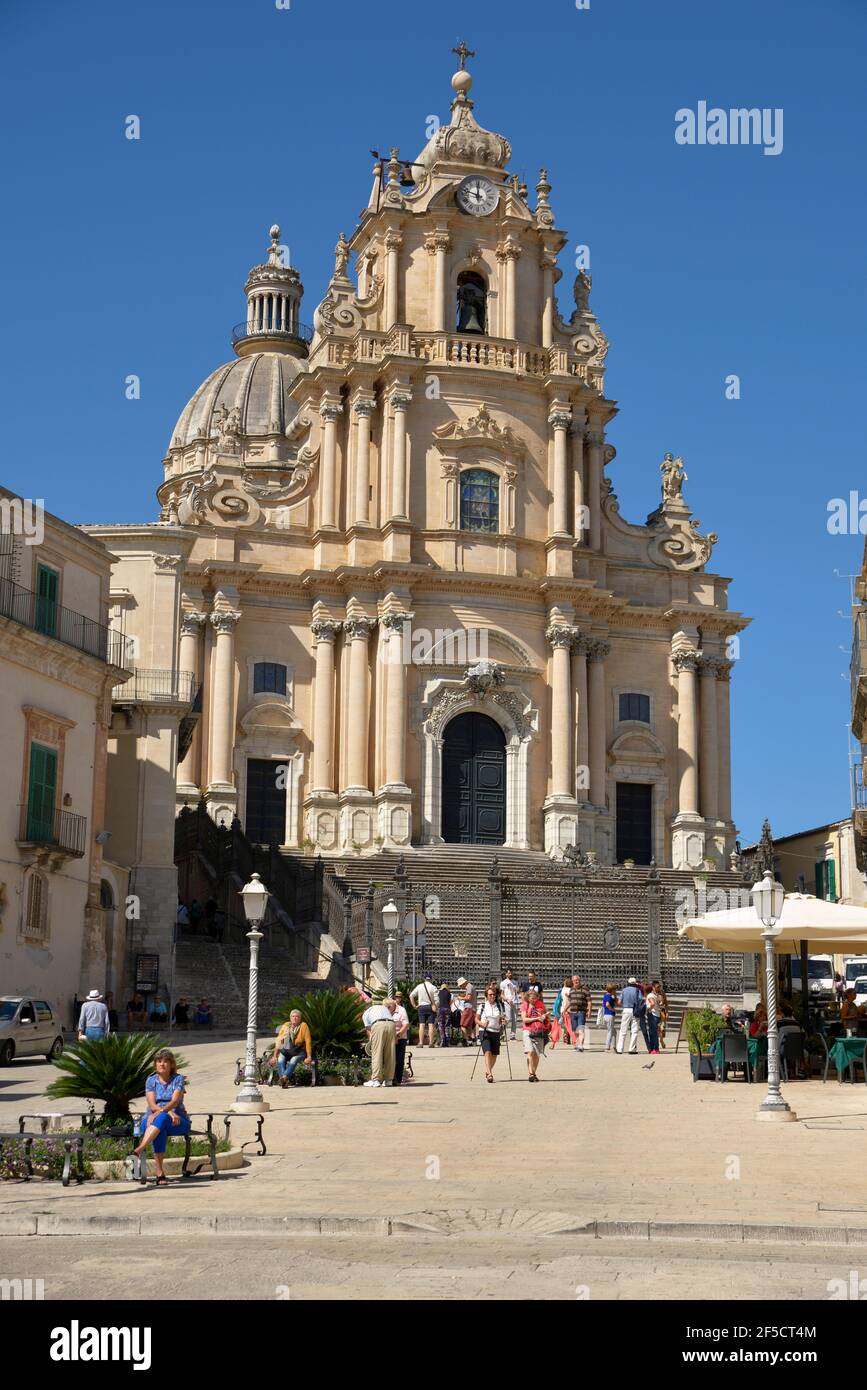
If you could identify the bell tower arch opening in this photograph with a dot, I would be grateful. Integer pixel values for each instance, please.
(472, 303)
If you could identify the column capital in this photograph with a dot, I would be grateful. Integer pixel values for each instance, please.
(325, 629)
(595, 438)
(400, 400)
(597, 648)
(560, 635)
(724, 668)
(394, 621)
(560, 419)
(225, 620)
(330, 411)
(359, 627)
(684, 659)
(393, 241)
(437, 241)
(709, 665)
(192, 623)
(363, 407)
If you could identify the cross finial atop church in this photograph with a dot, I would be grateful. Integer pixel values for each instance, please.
(463, 53)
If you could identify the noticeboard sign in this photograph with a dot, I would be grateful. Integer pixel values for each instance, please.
(147, 973)
(362, 955)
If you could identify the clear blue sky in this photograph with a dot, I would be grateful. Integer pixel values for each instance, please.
(125, 257)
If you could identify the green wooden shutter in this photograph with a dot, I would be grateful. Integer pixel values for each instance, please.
(831, 871)
(820, 879)
(41, 789)
(46, 600)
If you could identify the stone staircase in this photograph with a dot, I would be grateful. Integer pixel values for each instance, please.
(220, 974)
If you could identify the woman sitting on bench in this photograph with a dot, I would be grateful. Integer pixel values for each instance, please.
(293, 1046)
(165, 1097)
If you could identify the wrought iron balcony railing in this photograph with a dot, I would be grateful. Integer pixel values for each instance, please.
(302, 332)
(859, 791)
(54, 829)
(48, 617)
(155, 687)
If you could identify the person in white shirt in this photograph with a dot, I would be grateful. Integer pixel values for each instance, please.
(511, 998)
(424, 998)
(379, 1022)
(491, 1022)
(401, 1037)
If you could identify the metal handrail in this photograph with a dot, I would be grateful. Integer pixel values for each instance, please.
(45, 616)
(54, 829)
(302, 332)
(157, 687)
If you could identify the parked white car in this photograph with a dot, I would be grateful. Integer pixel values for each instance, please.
(860, 988)
(853, 968)
(28, 1028)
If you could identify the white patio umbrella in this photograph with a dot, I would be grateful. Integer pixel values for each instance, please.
(825, 927)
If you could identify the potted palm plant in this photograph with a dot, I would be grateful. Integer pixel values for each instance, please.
(702, 1027)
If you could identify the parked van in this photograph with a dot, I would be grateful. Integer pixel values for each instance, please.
(853, 968)
(820, 976)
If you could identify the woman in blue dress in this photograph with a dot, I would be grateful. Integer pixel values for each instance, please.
(167, 1117)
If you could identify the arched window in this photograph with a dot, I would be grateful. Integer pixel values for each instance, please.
(472, 305)
(480, 500)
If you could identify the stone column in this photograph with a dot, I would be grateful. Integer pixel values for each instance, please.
(548, 263)
(724, 786)
(395, 699)
(560, 638)
(593, 495)
(399, 401)
(358, 630)
(437, 244)
(362, 409)
(582, 751)
(597, 651)
(559, 421)
(329, 412)
(189, 659)
(511, 255)
(224, 621)
(709, 756)
(324, 632)
(685, 662)
(393, 243)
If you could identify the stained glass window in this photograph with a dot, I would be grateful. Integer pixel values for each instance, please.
(480, 500)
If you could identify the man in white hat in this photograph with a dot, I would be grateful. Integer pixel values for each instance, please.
(630, 1003)
(93, 1023)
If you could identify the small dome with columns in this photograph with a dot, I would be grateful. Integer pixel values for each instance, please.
(274, 292)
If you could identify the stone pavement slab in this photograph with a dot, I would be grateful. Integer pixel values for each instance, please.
(601, 1141)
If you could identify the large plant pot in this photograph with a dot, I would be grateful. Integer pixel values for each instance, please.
(702, 1067)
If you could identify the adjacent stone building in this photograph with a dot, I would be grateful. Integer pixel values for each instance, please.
(391, 560)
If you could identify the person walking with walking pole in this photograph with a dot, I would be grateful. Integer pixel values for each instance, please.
(491, 1021)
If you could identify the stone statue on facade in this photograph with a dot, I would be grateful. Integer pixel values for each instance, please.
(673, 478)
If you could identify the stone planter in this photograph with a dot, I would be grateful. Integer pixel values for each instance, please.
(114, 1169)
(702, 1068)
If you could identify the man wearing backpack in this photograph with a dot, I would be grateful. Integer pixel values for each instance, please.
(631, 1005)
(424, 998)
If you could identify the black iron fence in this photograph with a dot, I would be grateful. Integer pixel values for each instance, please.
(301, 332)
(157, 687)
(44, 615)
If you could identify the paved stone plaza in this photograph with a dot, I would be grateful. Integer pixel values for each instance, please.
(355, 1179)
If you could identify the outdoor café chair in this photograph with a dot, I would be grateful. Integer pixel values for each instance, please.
(791, 1050)
(735, 1053)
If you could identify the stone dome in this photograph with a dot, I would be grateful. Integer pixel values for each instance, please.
(257, 384)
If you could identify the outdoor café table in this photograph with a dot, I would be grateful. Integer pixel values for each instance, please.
(845, 1052)
(756, 1049)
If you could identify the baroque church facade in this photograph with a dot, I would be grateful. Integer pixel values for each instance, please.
(391, 581)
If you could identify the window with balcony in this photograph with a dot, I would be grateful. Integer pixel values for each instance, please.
(47, 591)
(41, 794)
(269, 677)
(480, 500)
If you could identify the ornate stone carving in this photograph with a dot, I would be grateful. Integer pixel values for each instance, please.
(597, 648)
(511, 703)
(673, 478)
(483, 677)
(560, 635)
(325, 629)
(228, 429)
(359, 627)
(437, 241)
(395, 621)
(168, 562)
(447, 701)
(709, 665)
(544, 215)
(676, 541)
(192, 622)
(363, 409)
(400, 400)
(559, 420)
(330, 411)
(685, 660)
(225, 620)
(724, 669)
(479, 429)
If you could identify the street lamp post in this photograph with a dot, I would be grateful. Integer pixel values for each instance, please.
(768, 899)
(254, 895)
(390, 915)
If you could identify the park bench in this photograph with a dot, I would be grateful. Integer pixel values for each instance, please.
(74, 1144)
(72, 1147)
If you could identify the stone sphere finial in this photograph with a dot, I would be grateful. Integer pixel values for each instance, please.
(274, 233)
(462, 82)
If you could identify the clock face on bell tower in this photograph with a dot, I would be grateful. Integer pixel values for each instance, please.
(477, 196)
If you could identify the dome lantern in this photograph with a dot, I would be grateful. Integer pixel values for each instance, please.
(274, 292)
